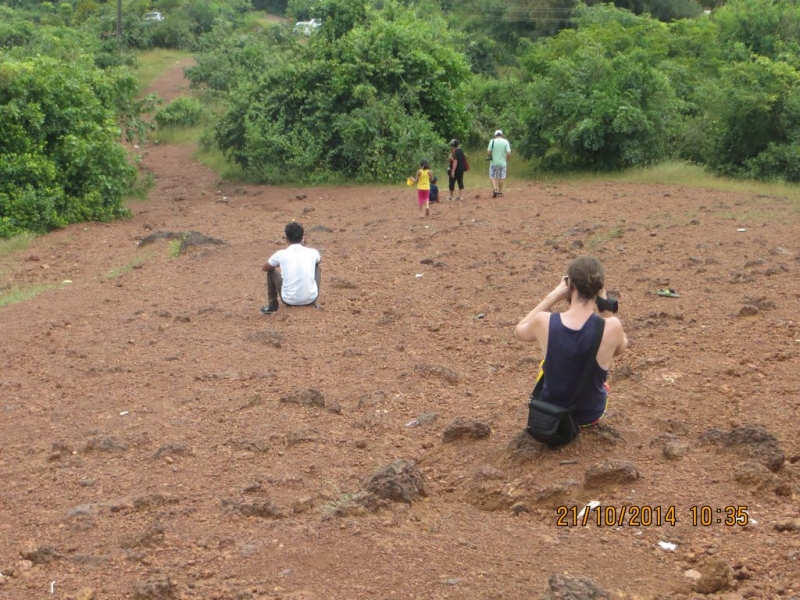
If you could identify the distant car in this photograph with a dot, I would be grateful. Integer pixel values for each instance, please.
(154, 17)
(307, 27)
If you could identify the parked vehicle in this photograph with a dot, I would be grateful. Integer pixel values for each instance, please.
(307, 27)
(154, 17)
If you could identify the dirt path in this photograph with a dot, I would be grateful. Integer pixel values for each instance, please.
(158, 439)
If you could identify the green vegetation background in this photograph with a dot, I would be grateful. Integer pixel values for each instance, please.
(382, 84)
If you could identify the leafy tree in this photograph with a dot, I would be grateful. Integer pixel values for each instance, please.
(663, 10)
(506, 23)
(597, 98)
(60, 160)
(366, 103)
(751, 122)
(762, 26)
(277, 7)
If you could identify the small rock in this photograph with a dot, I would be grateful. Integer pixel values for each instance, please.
(692, 574)
(610, 473)
(787, 524)
(303, 504)
(171, 450)
(107, 444)
(676, 449)
(489, 473)
(520, 507)
(161, 588)
(568, 587)
(523, 448)
(262, 508)
(425, 419)
(760, 477)
(400, 481)
(748, 310)
(86, 594)
(464, 428)
(716, 576)
(305, 397)
(427, 371)
(40, 555)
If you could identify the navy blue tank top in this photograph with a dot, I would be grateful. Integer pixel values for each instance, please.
(567, 353)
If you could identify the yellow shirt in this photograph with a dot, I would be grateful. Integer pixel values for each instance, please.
(424, 179)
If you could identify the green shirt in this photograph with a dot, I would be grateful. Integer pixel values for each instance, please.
(500, 149)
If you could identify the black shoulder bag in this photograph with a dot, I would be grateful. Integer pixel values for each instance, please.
(552, 424)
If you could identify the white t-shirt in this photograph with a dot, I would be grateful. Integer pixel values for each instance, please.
(297, 264)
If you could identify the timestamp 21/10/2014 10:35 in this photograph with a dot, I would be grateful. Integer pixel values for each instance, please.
(651, 516)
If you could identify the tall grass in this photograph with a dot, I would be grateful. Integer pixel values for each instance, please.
(672, 173)
(15, 244)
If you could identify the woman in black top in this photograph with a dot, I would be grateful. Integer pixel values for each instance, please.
(456, 171)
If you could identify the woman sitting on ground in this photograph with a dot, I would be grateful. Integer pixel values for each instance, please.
(566, 338)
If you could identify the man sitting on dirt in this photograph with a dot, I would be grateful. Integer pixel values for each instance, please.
(293, 273)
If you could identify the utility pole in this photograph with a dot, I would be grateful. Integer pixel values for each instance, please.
(119, 22)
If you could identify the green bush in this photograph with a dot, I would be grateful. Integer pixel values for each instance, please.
(751, 120)
(60, 157)
(764, 27)
(597, 98)
(181, 112)
(174, 32)
(365, 103)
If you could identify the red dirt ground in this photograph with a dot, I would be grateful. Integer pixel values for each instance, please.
(143, 436)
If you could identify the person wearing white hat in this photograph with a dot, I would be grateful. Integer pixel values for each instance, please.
(498, 152)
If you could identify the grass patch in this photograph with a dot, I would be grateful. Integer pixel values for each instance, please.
(175, 248)
(596, 240)
(17, 294)
(215, 160)
(120, 271)
(152, 63)
(672, 173)
(178, 135)
(255, 21)
(15, 244)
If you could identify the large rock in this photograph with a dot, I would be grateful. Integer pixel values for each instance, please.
(758, 476)
(567, 587)
(400, 481)
(750, 441)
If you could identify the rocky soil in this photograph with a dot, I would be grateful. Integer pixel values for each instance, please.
(160, 438)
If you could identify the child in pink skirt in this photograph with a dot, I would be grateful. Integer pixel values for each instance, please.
(423, 181)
